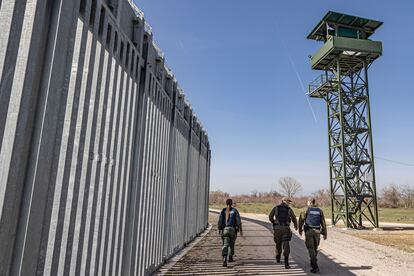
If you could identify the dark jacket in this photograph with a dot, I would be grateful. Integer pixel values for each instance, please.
(234, 220)
(273, 216)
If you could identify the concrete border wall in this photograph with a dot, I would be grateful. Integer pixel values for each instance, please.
(104, 168)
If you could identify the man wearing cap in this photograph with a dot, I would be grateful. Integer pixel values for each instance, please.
(281, 216)
(312, 221)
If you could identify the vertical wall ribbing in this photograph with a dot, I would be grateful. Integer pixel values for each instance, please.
(95, 158)
(102, 201)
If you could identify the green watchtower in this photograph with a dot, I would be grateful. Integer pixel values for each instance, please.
(345, 57)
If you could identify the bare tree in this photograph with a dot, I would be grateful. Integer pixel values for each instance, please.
(289, 186)
(274, 193)
(407, 196)
(323, 197)
(218, 197)
(391, 196)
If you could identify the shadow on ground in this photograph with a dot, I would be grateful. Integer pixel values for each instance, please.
(254, 255)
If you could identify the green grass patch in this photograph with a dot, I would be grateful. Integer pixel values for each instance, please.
(400, 215)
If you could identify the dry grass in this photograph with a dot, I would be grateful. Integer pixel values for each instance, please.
(401, 239)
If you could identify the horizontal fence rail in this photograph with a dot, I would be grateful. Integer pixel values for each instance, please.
(104, 168)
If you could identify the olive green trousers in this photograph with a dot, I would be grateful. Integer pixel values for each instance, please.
(229, 239)
(282, 236)
(312, 240)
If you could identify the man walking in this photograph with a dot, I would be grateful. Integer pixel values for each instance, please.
(229, 224)
(313, 223)
(280, 217)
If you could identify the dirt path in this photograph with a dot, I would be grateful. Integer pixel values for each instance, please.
(341, 254)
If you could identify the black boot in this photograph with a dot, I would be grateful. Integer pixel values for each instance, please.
(312, 267)
(225, 261)
(231, 259)
(278, 258)
(316, 268)
(287, 266)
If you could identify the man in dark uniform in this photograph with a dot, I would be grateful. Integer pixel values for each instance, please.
(313, 223)
(280, 217)
(228, 225)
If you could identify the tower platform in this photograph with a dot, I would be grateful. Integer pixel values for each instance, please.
(351, 51)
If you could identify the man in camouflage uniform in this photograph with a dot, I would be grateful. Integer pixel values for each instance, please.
(280, 217)
(228, 225)
(312, 221)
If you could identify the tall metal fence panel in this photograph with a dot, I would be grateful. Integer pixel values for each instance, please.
(104, 168)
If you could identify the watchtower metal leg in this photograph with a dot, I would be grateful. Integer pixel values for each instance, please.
(353, 188)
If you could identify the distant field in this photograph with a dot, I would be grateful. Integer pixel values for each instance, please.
(403, 239)
(398, 215)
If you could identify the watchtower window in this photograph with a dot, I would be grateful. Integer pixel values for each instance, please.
(330, 29)
(341, 31)
(347, 32)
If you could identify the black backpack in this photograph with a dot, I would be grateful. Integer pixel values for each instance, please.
(283, 215)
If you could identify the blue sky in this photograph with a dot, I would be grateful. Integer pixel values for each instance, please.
(232, 59)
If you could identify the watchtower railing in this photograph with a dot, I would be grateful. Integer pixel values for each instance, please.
(320, 81)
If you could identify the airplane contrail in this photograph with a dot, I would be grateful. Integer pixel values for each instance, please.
(297, 75)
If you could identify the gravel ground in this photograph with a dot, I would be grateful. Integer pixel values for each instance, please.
(340, 254)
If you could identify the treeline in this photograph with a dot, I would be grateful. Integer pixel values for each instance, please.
(286, 186)
(397, 196)
(392, 196)
(219, 198)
